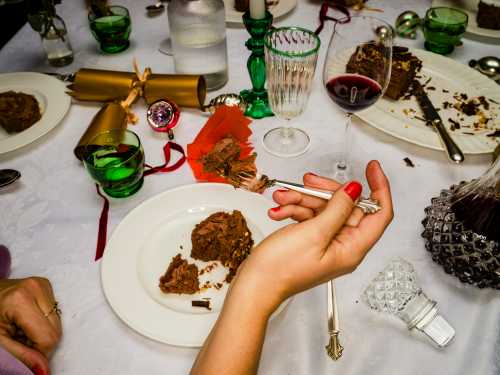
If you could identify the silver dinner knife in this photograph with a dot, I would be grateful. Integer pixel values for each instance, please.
(68, 77)
(433, 119)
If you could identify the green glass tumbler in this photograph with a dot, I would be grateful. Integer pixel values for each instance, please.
(112, 31)
(115, 160)
(443, 29)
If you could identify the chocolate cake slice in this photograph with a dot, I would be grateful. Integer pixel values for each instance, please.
(368, 59)
(223, 152)
(224, 237)
(180, 278)
(224, 160)
(18, 111)
(488, 14)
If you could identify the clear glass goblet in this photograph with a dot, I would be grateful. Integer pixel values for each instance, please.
(291, 54)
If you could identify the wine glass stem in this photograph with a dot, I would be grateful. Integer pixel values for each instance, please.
(344, 156)
(286, 133)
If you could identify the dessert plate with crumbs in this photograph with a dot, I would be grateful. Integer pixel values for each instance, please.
(54, 103)
(144, 244)
(450, 85)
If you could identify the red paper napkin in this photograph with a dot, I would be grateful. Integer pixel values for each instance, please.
(225, 121)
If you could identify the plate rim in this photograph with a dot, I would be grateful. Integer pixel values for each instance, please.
(369, 115)
(58, 111)
(118, 311)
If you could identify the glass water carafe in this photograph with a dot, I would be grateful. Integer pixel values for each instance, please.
(198, 34)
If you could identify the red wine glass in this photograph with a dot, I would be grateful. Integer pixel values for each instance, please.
(357, 71)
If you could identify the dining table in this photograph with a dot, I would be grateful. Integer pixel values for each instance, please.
(49, 218)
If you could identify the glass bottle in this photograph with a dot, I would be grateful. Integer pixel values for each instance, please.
(198, 34)
(56, 43)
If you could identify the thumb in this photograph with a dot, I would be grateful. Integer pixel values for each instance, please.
(32, 358)
(338, 209)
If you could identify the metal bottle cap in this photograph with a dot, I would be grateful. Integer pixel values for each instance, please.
(439, 331)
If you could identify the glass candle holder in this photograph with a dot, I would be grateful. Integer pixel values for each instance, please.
(443, 29)
(115, 160)
(112, 31)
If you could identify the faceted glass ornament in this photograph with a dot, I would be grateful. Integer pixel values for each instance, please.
(392, 288)
(395, 290)
(470, 256)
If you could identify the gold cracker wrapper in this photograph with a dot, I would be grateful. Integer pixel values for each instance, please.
(110, 116)
(107, 85)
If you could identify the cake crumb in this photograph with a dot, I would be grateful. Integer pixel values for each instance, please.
(408, 162)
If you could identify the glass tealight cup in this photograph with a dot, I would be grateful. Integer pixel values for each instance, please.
(112, 31)
(443, 29)
(115, 160)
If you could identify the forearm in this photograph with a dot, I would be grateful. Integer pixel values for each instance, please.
(235, 342)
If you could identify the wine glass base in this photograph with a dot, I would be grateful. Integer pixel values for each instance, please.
(166, 47)
(286, 142)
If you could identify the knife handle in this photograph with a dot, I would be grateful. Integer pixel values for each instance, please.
(453, 151)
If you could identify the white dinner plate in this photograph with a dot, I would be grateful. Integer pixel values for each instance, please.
(145, 242)
(283, 7)
(446, 74)
(469, 7)
(52, 98)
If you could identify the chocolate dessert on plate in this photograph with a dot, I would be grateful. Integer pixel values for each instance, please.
(225, 237)
(18, 111)
(180, 278)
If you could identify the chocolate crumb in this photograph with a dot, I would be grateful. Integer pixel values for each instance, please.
(468, 133)
(205, 304)
(464, 96)
(493, 101)
(496, 133)
(432, 88)
(420, 118)
(445, 91)
(181, 247)
(218, 286)
(454, 124)
(408, 162)
(484, 102)
(447, 105)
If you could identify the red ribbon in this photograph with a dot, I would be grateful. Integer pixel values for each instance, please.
(103, 226)
(103, 219)
(323, 15)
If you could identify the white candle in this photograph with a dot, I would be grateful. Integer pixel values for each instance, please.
(257, 9)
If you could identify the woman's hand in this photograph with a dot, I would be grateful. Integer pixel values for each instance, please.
(331, 238)
(30, 328)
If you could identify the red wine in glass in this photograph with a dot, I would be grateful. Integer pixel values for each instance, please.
(353, 92)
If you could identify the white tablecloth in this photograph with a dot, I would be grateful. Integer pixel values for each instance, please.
(49, 221)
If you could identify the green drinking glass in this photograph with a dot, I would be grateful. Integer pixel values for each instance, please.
(115, 160)
(112, 31)
(443, 29)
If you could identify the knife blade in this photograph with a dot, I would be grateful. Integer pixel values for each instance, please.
(433, 119)
(69, 77)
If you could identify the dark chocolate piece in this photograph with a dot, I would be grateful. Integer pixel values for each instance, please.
(408, 162)
(205, 304)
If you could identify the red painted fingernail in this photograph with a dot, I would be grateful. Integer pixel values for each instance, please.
(312, 174)
(353, 189)
(282, 190)
(276, 209)
(38, 370)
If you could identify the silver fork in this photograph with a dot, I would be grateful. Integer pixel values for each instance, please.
(256, 183)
